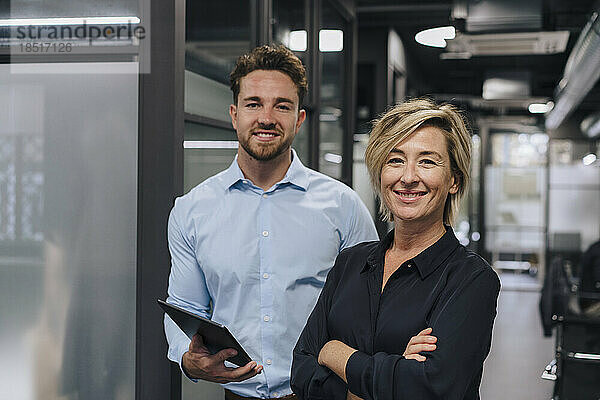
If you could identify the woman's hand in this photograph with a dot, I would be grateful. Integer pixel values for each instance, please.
(422, 342)
(334, 355)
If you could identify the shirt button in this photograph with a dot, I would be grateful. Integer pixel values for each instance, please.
(265, 233)
(266, 318)
(246, 182)
(266, 276)
(265, 196)
(269, 362)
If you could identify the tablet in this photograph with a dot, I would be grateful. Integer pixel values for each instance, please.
(216, 336)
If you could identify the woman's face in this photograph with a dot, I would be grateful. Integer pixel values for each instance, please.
(416, 177)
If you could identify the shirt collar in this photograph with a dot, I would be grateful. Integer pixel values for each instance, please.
(297, 174)
(426, 262)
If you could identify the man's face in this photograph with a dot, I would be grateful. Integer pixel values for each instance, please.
(266, 116)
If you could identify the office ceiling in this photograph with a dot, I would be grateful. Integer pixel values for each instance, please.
(462, 79)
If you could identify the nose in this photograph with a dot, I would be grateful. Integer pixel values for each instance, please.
(409, 174)
(265, 117)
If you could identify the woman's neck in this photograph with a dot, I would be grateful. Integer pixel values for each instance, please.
(413, 237)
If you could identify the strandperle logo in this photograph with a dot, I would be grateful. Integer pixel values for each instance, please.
(81, 32)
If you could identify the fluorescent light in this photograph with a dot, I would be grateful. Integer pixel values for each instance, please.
(210, 144)
(297, 41)
(69, 21)
(333, 158)
(331, 40)
(586, 356)
(589, 159)
(436, 37)
(540, 108)
(590, 126)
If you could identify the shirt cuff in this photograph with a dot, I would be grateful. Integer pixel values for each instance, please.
(360, 373)
(355, 368)
(327, 385)
(176, 355)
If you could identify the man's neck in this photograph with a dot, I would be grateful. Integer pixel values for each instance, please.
(264, 174)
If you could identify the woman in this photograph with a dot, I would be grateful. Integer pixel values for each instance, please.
(417, 277)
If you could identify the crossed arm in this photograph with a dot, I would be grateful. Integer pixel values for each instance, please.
(461, 321)
(335, 354)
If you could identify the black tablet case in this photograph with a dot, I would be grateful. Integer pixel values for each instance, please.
(216, 336)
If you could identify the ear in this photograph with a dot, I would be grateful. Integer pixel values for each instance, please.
(455, 184)
(233, 115)
(301, 118)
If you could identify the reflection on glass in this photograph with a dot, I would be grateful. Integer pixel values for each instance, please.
(202, 162)
(68, 213)
(289, 29)
(519, 150)
(574, 195)
(331, 117)
(217, 33)
(515, 202)
(79, 8)
(472, 198)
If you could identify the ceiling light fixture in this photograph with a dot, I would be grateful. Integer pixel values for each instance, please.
(589, 159)
(540, 108)
(330, 40)
(297, 40)
(436, 37)
(590, 126)
(333, 158)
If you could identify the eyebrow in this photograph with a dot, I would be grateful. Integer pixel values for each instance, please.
(277, 100)
(422, 153)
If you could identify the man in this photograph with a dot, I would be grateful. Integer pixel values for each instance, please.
(252, 245)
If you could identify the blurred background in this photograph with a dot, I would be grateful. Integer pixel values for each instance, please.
(97, 141)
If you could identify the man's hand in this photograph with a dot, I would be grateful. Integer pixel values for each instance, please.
(198, 363)
(422, 342)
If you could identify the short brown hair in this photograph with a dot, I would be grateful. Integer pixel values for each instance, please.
(401, 121)
(267, 57)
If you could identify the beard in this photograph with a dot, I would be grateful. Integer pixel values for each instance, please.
(266, 151)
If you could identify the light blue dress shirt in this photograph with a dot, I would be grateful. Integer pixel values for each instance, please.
(256, 261)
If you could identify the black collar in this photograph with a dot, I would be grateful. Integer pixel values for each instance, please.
(426, 262)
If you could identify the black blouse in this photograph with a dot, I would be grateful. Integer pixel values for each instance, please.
(445, 287)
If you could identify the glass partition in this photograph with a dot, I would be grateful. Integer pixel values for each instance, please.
(515, 185)
(573, 197)
(331, 111)
(289, 29)
(217, 33)
(68, 228)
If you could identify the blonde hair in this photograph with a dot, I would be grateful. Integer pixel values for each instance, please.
(401, 121)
